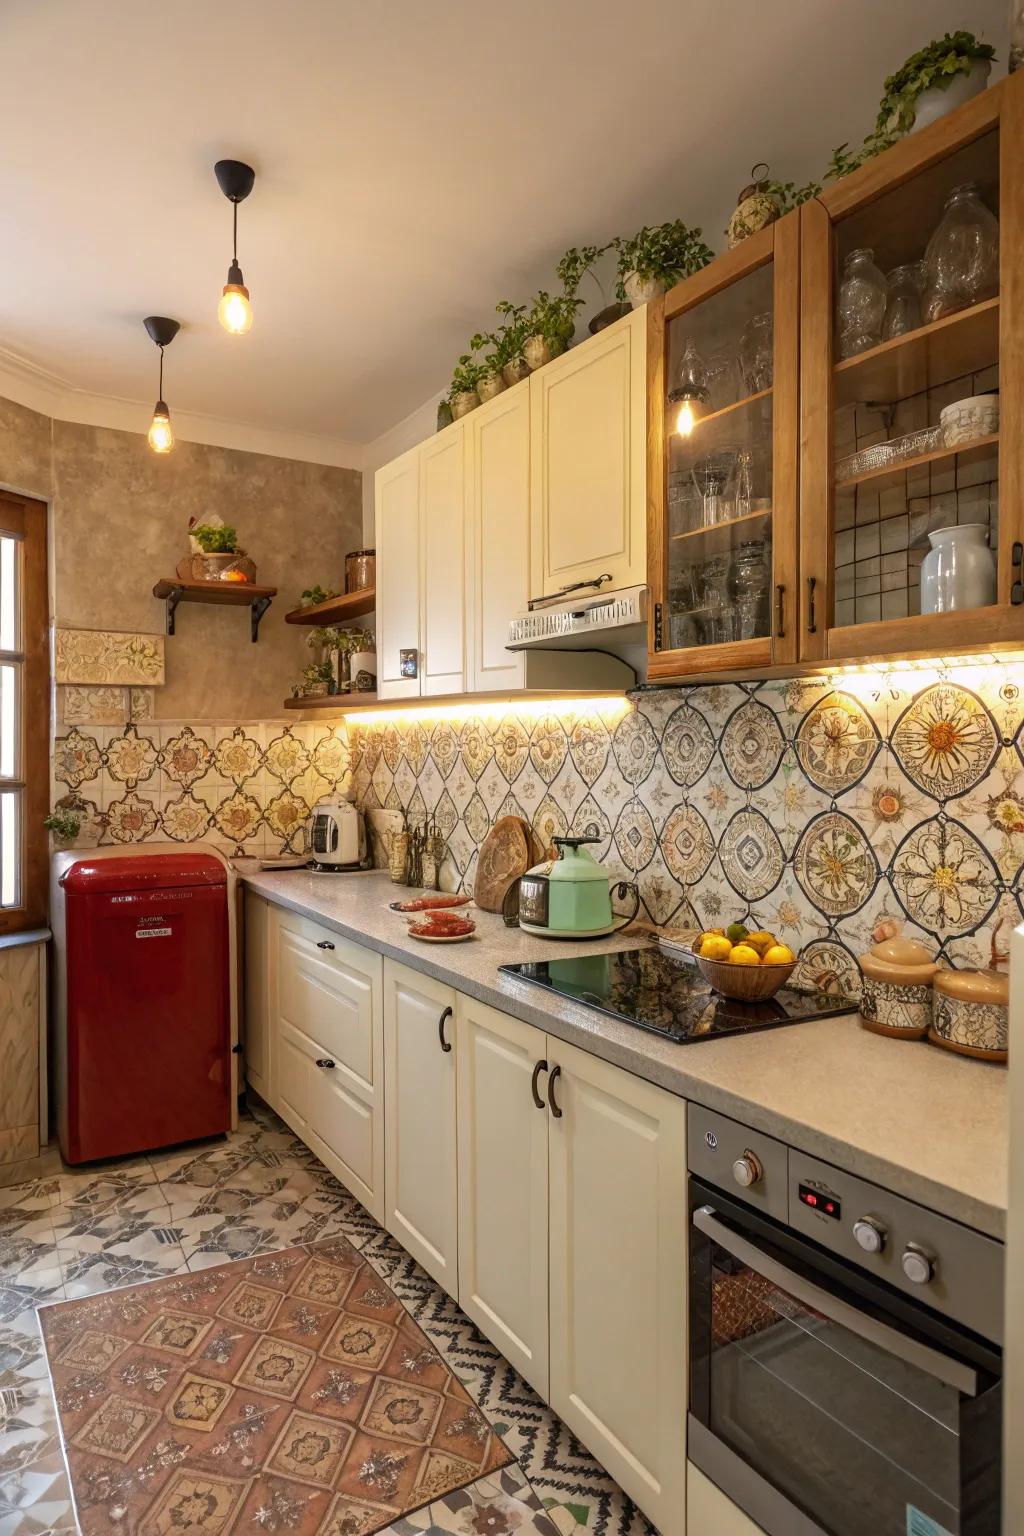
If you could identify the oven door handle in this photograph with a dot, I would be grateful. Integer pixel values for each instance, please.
(932, 1361)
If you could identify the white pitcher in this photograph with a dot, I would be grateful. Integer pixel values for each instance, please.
(959, 571)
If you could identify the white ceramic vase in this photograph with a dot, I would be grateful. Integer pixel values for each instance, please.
(940, 99)
(641, 290)
(959, 571)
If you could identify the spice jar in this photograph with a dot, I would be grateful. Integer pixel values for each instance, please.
(971, 1013)
(360, 570)
(896, 990)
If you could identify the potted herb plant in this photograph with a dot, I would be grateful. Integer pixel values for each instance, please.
(65, 823)
(509, 342)
(551, 323)
(216, 553)
(577, 261)
(934, 81)
(463, 395)
(656, 257)
(316, 594)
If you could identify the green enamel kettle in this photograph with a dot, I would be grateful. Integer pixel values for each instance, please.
(568, 897)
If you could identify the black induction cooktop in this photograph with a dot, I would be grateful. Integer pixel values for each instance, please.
(669, 996)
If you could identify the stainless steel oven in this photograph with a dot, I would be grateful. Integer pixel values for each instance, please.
(845, 1373)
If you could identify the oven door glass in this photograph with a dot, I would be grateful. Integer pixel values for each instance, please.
(859, 1425)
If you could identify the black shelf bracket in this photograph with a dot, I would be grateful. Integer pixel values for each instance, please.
(257, 608)
(171, 602)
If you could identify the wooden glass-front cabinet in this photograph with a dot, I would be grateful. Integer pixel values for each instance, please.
(840, 466)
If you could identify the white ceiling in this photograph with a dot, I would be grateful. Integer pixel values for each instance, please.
(415, 162)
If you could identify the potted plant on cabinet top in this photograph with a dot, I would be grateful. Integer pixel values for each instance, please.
(462, 395)
(505, 363)
(573, 267)
(934, 81)
(551, 323)
(657, 257)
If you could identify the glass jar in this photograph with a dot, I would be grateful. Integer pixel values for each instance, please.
(712, 476)
(750, 587)
(861, 305)
(360, 570)
(961, 262)
(903, 300)
(756, 352)
(716, 616)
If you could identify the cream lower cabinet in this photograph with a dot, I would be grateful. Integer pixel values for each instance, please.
(260, 979)
(618, 1287)
(421, 1201)
(503, 1185)
(710, 1513)
(327, 1058)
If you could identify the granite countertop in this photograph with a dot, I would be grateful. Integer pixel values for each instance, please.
(923, 1122)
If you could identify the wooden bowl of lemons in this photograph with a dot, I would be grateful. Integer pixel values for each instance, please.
(746, 965)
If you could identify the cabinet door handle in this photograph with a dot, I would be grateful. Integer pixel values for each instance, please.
(556, 1073)
(324, 944)
(780, 610)
(445, 1044)
(812, 582)
(538, 1068)
(1017, 563)
(325, 1063)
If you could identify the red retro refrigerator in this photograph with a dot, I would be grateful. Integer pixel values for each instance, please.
(143, 1028)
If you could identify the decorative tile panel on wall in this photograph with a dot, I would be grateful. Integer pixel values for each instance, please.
(816, 807)
(248, 789)
(108, 656)
(102, 705)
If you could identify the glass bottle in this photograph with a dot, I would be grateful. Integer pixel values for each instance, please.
(961, 262)
(903, 301)
(743, 484)
(750, 587)
(861, 304)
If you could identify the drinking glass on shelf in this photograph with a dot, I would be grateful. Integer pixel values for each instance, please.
(756, 353)
(861, 304)
(685, 507)
(716, 615)
(711, 476)
(723, 378)
(750, 587)
(903, 300)
(961, 262)
(742, 492)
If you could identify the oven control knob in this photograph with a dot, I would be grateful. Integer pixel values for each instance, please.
(870, 1234)
(747, 1170)
(918, 1266)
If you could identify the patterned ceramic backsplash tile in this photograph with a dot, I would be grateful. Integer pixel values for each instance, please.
(818, 807)
(102, 705)
(248, 789)
(108, 656)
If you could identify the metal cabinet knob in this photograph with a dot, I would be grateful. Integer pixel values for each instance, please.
(747, 1170)
(325, 1063)
(324, 944)
(869, 1234)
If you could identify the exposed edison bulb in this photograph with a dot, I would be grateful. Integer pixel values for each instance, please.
(234, 310)
(687, 418)
(161, 434)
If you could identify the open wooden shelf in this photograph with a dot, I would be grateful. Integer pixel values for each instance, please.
(336, 610)
(340, 703)
(229, 594)
(717, 536)
(923, 359)
(728, 410)
(892, 474)
(352, 703)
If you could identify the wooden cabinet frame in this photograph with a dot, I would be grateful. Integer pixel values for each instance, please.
(778, 244)
(980, 629)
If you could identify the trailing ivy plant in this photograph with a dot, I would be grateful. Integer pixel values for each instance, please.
(667, 252)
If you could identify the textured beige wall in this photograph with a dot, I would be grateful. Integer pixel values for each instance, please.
(25, 458)
(120, 518)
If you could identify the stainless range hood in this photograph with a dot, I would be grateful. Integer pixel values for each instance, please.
(614, 622)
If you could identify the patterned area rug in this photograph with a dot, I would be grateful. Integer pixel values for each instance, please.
(291, 1392)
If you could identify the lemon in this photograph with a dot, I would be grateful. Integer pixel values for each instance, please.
(715, 946)
(736, 933)
(779, 954)
(742, 954)
(761, 940)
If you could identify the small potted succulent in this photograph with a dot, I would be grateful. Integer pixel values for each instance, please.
(463, 395)
(934, 81)
(577, 261)
(656, 257)
(551, 323)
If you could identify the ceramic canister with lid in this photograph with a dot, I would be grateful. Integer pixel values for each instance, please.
(896, 988)
(971, 1013)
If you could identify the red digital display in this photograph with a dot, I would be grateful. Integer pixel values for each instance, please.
(817, 1200)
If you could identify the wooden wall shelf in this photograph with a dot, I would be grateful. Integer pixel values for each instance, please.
(340, 703)
(923, 359)
(336, 610)
(228, 594)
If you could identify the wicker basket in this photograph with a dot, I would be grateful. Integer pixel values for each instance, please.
(745, 983)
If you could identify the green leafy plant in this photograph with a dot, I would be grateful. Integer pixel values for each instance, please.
(466, 376)
(316, 673)
(354, 639)
(64, 824)
(664, 251)
(554, 318)
(316, 594)
(505, 342)
(576, 263)
(216, 541)
(955, 53)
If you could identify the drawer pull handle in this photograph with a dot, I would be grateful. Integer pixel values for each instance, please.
(325, 1063)
(556, 1073)
(324, 944)
(445, 1044)
(538, 1068)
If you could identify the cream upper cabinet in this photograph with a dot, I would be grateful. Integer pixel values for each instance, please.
(420, 1157)
(588, 462)
(443, 565)
(498, 536)
(618, 1275)
(399, 627)
(503, 1184)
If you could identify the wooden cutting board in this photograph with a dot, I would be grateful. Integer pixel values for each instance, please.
(504, 856)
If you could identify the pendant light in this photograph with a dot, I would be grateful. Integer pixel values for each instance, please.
(161, 434)
(234, 311)
(690, 388)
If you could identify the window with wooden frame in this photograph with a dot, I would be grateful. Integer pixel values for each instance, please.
(24, 712)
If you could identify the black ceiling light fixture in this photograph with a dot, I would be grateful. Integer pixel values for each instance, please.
(234, 311)
(161, 435)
